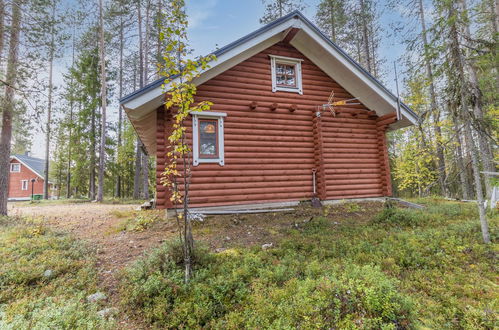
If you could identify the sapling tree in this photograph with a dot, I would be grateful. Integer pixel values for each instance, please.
(179, 72)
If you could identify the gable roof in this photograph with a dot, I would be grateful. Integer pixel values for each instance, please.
(140, 105)
(36, 165)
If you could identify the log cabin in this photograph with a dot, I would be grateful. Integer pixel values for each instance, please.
(270, 138)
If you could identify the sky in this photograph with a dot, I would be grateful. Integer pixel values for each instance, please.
(215, 23)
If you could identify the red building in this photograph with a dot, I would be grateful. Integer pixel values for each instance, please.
(269, 136)
(25, 177)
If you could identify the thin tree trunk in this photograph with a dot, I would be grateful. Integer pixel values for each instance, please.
(49, 106)
(145, 175)
(146, 42)
(463, 173)
(138, 162)
(120, 110)
(145, 157)
(139, 154)
(71, 110)
(467, 119)
(365, 35)
(91, 192)
(102, 151)
(477, 102)
(8, 101)
(2, 30)
(333, 21)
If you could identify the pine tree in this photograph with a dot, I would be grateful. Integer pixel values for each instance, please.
(275, 9)
(8, 102)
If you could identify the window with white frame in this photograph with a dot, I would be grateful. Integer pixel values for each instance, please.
(286, 74)
(15, 167)
(208, 137)
(24, 184)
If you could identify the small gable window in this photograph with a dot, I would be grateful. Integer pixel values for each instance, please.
(15, 167)
(208, 137)
(24, 184)
(286, 74)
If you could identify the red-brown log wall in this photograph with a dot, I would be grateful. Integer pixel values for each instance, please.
(270, 154)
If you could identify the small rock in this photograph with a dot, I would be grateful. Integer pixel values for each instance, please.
(267, 246)
(227, 238)
(98, 296)
(48, 273)
(220, 250)
(107, 312)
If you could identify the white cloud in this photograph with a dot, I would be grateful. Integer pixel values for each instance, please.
(199, 10)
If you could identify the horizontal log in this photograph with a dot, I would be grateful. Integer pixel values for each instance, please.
(351, 196)
(347, 192)
(276, 155)
(347, 140)
(375, 180)
(240, 167)
(327, 134)
(348, 161)
(267, 160)
(276, 138)
(299, 185)
(351, 171)
(268, 149)
(358, 165)
(250, 198)
(336, 150)
(261, 178)
(250, 142)
(333, 177)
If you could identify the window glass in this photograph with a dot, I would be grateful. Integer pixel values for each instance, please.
(285, 75)
(15, 167)
(208, 138)
(25, 185)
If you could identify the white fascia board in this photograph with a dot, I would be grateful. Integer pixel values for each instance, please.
(338, 67)
(150, 100)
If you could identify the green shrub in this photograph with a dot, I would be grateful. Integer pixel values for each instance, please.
(265, 289)
(401, 217)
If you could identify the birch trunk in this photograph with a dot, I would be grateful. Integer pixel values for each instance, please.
(457, 58)
(463, 173)
(8, 104)
(102, 150)
(476, 99)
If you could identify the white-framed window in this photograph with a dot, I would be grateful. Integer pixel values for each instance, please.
(286, 74)
(208, 137)
(15, 167)
(24, 184)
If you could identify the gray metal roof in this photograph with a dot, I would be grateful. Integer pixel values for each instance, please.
(293, 14)
(35, 164)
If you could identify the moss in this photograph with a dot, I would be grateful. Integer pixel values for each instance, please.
(31, 299)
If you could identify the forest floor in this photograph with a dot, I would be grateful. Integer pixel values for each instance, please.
(118, 236)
